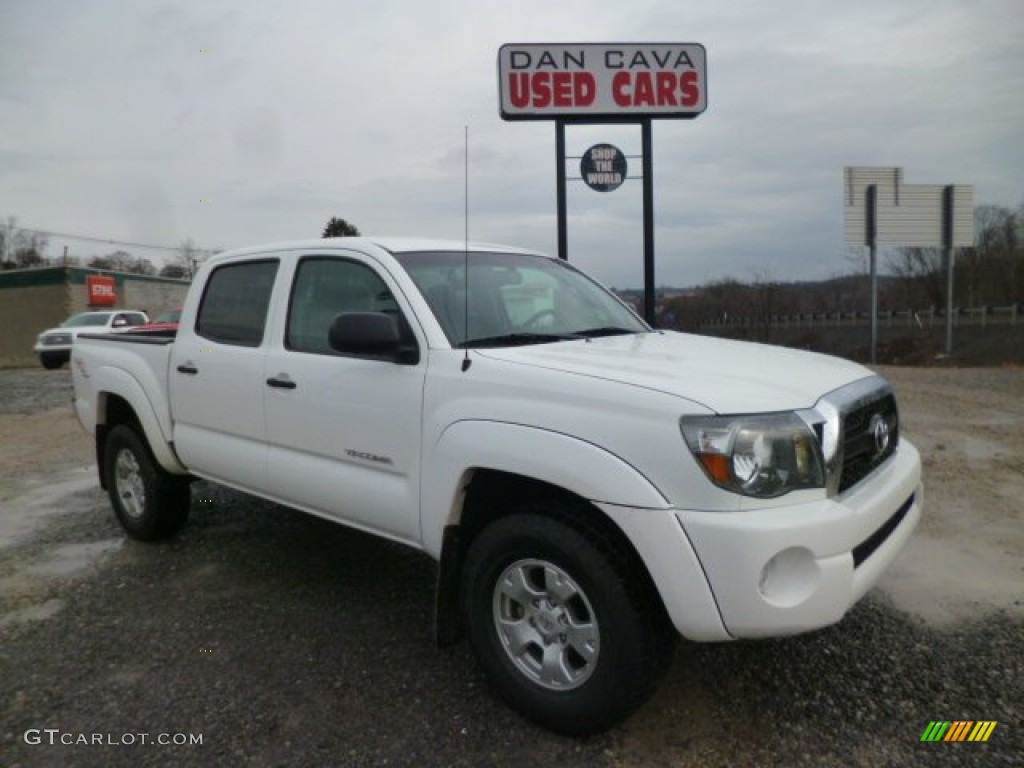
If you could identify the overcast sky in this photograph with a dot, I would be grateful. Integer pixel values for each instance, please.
(119, 119)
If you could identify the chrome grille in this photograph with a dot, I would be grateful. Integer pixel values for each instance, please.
(870, 436)
(858, 426)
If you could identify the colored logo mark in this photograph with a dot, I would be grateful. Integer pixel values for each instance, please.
(958, 730)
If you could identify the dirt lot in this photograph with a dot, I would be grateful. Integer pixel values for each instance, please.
(967, 557)
(286, 640)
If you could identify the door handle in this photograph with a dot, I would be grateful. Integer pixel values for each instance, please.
(281, 383)
(188, 368)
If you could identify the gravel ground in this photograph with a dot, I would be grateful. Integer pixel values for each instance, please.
(286, 640)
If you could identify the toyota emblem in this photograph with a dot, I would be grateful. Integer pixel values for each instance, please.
(879, 428)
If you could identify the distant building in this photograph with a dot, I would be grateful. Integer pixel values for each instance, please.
(32, 300)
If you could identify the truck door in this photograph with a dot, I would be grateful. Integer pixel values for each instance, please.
(343, 433)
(217, 380)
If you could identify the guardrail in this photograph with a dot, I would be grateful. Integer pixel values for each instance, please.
(981, 316)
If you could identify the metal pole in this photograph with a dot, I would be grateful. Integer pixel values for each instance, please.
(648, 195)
(947, 257)
(563, 229)
(871, 224)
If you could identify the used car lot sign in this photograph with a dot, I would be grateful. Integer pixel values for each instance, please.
(602, 80)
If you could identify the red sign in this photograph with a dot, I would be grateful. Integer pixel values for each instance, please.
(590, 80)
(102, 290)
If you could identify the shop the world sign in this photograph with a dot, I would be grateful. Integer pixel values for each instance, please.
(602, 80)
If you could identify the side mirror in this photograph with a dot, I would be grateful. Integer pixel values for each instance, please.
(374, 335)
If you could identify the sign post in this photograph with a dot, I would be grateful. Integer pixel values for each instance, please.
(871, 237)
(563, 227)
(603, 83)
(948, 195)
(649, 284)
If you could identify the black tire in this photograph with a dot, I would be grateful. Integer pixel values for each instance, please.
(150, 503)
(590, 587)
(51, 362)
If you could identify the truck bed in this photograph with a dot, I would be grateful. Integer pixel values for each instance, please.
(142, 356)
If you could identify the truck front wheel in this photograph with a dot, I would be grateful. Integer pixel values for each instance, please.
(564, 629)
(51, 361)
(150, 503)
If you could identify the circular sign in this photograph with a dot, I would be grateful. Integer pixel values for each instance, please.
(603, 167)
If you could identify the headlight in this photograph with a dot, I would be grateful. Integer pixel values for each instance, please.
(762, 456)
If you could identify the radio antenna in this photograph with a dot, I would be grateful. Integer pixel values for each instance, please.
(466, 361)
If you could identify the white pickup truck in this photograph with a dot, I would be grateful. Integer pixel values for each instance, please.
(589, 486)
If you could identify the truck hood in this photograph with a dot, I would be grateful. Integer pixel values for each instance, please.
(725, 376)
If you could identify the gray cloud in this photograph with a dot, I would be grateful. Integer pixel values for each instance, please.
(118, 118)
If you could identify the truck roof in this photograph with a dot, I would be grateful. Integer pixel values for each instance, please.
(389, 244)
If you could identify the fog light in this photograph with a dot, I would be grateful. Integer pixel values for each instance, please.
(790, 577)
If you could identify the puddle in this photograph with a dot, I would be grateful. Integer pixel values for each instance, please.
(27, 513)
(32, 580)
(32, 613)
(72, 558)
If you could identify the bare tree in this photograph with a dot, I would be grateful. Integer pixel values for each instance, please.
(173, 270)
(122, 261)
(857, 257)
(20, 248)
(921, 269)
(188, 257)
(31, 250)
(8, 231)
(143, 266)
(994, 268)
(760, 298)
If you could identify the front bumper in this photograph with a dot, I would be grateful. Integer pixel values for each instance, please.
(781, 570)
(792, 569)
(57, 348)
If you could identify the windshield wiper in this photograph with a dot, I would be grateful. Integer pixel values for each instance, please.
(607, 330)
(516, 340)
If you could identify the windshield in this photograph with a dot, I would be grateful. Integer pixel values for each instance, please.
(86, 318)
(515, 299)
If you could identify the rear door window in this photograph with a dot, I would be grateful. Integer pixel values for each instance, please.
(235, 303)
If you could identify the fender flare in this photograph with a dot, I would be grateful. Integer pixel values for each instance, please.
(114, 381)
(567, 462)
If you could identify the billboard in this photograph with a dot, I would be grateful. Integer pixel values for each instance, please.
(908, 215)
(601, 81)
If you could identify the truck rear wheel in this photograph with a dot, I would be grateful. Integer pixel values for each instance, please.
(563, 628)
(150, 503)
